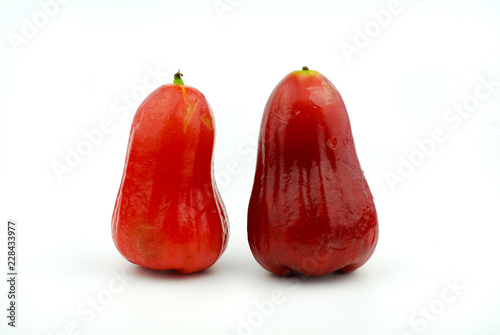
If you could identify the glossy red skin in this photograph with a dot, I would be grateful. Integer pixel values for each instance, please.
(168, 212)
(311, 210)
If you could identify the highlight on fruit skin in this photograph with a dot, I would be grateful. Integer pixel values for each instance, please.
(168, 213)
(311, 210)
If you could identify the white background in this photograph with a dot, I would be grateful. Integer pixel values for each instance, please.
(439, 226)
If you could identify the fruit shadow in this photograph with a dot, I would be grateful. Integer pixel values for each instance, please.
(169, 274)
(337, 277)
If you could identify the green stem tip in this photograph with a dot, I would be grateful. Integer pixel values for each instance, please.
(178, 79)
(305, 68)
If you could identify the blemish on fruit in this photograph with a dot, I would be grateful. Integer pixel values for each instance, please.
(331, 142)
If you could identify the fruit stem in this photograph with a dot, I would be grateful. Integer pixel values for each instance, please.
(178, 79)
(305, 68)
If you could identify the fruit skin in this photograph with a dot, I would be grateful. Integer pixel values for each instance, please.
(168, 213)
(311, 210)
